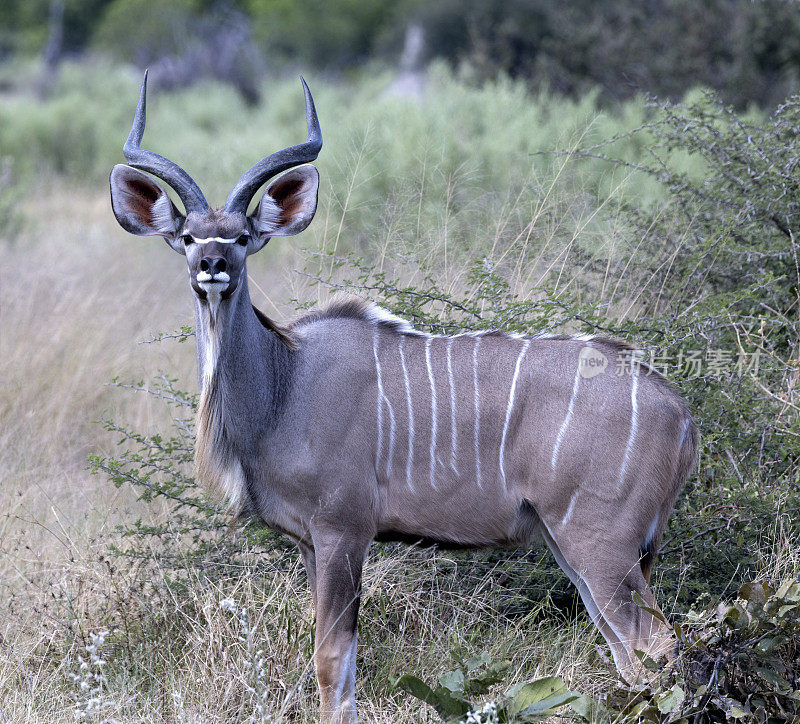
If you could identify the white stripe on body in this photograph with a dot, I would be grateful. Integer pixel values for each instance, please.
(651, 531)
(380, 397)
(410, 459)
(510, 406)
(567, 419)
(392, 428)
(453, 431)
(477, 411)
(634, 423)
(683, 432)
(568, 515)
(434, 419)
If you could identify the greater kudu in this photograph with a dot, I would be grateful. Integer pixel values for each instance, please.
(348, 425)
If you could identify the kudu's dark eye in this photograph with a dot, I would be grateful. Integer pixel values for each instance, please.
(243, 239)
(187, 239)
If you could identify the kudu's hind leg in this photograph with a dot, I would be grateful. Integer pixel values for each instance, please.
(612, 573)
(339, 560)
(618, 650)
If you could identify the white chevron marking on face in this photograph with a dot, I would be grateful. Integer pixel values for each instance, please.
(218, 239)
(477, 411)
(410, 459)
(567, 419)
(510, 406)
(453, 430)
(434, 419)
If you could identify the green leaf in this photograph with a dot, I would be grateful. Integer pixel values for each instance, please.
(670, 700)
(453, 681)
(639, 711)
(550, 704)
(441, 699)
(647, 662)
(476, 661)
(765, 645)
(754, 592)
(480, 683)
(655, 613)
(789, 590)
(588, 708)
(737, 712)
(541, 696)
(731, 615)
(416, 687)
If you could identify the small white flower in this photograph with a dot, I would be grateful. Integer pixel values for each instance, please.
(228, 605)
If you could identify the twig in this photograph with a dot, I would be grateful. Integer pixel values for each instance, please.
(394, 290)
(154, 393)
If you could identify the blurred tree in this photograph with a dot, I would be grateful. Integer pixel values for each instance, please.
(330, 33)
(25, 25)
(54, 48)
(144, 30)
(183, 42)
(749, 51)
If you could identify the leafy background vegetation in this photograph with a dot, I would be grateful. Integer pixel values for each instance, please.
(749, 51)
(524, 188)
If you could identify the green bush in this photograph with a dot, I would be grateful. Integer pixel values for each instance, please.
(394, 171)
(738, 661)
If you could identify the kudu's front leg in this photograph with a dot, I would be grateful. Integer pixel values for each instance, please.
(310, 564)
(339, 560)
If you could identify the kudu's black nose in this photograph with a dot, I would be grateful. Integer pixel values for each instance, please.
(213, 265)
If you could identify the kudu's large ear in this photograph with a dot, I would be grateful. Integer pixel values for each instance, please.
(288, 205)
(143, 208)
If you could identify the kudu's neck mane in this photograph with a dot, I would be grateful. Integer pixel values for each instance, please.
(245, 363)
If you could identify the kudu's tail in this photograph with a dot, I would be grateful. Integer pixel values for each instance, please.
(687, 457)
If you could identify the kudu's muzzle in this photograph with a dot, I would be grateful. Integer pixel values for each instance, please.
(213, 265)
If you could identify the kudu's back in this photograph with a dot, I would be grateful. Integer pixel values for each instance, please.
(463, 435)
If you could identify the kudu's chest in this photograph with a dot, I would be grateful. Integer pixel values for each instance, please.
(241, 459)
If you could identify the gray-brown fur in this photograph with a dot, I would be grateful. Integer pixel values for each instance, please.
(216, 223)
(349, 425)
